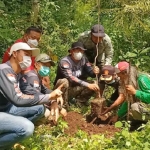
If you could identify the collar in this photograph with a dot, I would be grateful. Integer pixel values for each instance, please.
(9, 64)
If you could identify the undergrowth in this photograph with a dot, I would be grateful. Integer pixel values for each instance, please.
(54, 138)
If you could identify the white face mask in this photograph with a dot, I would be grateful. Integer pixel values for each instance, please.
(77, 56)
(110, 82)
(25, 63)
(33, 42)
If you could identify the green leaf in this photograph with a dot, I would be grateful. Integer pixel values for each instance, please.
(125, 133)
(9, 40)
(145, 50)
(128, 143)
(143, 117)
(35, 148)
(2, 5)
(131, 54)
(118, 124)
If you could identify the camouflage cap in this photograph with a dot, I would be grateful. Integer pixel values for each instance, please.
(44, 58)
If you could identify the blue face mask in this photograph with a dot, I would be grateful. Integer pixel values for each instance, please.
(44, 71)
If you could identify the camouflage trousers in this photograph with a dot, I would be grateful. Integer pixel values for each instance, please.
(140, 111)
(78, 93)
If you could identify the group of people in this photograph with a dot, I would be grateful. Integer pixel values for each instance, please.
(25, 94)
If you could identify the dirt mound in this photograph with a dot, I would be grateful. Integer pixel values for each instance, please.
(76, 121)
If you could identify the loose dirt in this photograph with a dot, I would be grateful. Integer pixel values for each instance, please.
(77, 122)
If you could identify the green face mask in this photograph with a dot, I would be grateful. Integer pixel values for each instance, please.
(44, 71)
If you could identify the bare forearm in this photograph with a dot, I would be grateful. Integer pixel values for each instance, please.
(119, 101)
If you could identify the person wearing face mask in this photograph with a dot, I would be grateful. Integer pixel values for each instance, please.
(32, 79)
(108, 77)
(138, 90)
(105, 49)
(121, 70)
(31, 37)
(22, 109)
(73, 71)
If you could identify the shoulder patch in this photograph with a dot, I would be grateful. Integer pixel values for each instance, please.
(36, 84)
(24, 80)
(11, 77)
(17, 90)
(65, 65)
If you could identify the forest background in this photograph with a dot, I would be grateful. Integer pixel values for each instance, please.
(127, 22)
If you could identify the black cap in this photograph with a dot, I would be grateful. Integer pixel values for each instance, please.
(76, 45)
(98, 30)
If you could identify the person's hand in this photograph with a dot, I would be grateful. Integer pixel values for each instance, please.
(54, 111)
(55, 94)
(130, 89)
(107, 109)
(96, 70)
(60, 100)
(46, 81)
(63, 112)
(113, 120)
(93, 87)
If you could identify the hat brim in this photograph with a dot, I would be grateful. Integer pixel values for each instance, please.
(77, 47)
(100, 34)
(51, 62)
(35, 51)
(106, 77)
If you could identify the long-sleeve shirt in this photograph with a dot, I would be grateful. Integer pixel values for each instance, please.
(75, 72)
(10, 92)
(142, 94)
(105, 49)
(30, 83)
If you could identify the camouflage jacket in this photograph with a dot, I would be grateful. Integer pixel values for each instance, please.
(105, 49)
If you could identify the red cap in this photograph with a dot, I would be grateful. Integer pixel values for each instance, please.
(123, 65)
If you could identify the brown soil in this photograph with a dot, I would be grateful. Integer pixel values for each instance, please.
(76, 121)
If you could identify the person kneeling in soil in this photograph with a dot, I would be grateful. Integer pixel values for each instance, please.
(31, 82)
(109, 78)
(139, 90)
(73, 71)
(16, 104)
